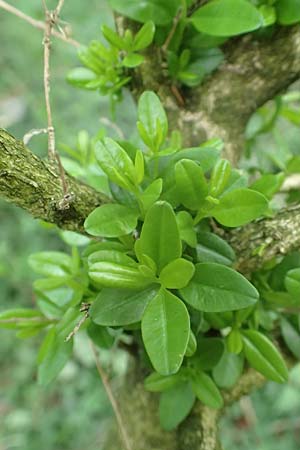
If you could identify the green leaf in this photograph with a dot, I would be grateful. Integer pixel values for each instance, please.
(177, 274)
(81, 76)
(116, 163)
(165, 331)
(100, 336)
(151, 194)
(175, 405)
(191, 184)
(288, 11)
(263, 356)
(212, 248)
(160, 235)
(139, 166)
(152, 116)
(51, 264)
(54, 354)
(239, 207)
(292, 282)
(186, 228)
(291, 337)
(216, 288)
(158, 383)
(161, 13)
(234, 341)
(111, 221)
(228, 370)
(118, 307)
(113, 38)
(268, 184)
(144, 36)
(22, 318)
(133, 60)
(220, 177)
(192, 345)
(227, 18)
(115, 270)
(206, 390)
(205, 156)
(74, 239)
(277, 277)
(209, 352)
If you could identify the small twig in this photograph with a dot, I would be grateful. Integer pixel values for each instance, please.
(37, 23)
(84, 308)
(176, 21)
(35, 132)
(114, 404)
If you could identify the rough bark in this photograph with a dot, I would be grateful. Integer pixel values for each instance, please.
(35, 185)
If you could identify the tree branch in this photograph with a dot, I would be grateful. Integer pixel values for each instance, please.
(34, 185)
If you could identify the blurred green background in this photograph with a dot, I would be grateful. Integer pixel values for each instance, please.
(73, 412)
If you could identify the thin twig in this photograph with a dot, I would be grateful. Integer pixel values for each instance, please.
(84, 308)
(176, 21)
(34, 132)
(114, 404)
(37, 23)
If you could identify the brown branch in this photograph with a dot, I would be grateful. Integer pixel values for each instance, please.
(37, 23)
(34, 185)
(113, 401)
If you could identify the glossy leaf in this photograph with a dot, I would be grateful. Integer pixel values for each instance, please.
(117, 307)
(175, 404)
(219, 177)
(152, 116)
(216, 288)
(165, 331)
(158, 383)
(132, 60)
(186, 228)
(160, 238)
(161, 13)
(144, 36)
(263, 356)
(116, 163)
(191, 184)
(111, 221)
(239, 207)
(227, 18)
(177, 274)
(292, 282)
(234, 341)
(151, 194)
(206, 390)
(212, 248)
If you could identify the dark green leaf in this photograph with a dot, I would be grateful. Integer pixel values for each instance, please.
(277, 277)
(228, 370)
(292, 282)
(288, 11)
(165, 331)
(209, 352)
(191, 184)
(158, 383)
(117, 307)
(100, 336)
(212, 248)
(175, 404)
(216, 288)
(206, 390)
(291, 337)
(264, 356)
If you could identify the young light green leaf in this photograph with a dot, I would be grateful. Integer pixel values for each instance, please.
(234, 341)
(151, 194)
(144, 36)
(177, 274)
(292, 282)
(158, 383)
(264, 356)
(165, 331)
(186, 228)
(116, 163)
(115, 270)
(239, 207)
(268, 184)
(56, 353)
(111, 221)
(113, 38)
(216, 288)
(175, 404)
(22, 318)
(206, 390)
(132, 60)
(81, 76)
(219, 177)
(160, 235)
(191, 184)
(51, 264)
(118, 307)
(227, 18)
(152, 116)
(228, 370)
(139, 166)
(212, 248)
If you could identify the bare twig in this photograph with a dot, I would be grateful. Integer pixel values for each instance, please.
(37, 23)
(176, 21)
(114, 404)
(35, 132)
(84, 308)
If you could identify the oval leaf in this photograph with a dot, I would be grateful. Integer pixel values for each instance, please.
(191, 184)
(165, 331)
(212, 248)
(177, 274)
(206, 390)
(111, 221)
(175, 404)
(216, 288)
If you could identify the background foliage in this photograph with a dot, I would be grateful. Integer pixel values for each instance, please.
(35, 417)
